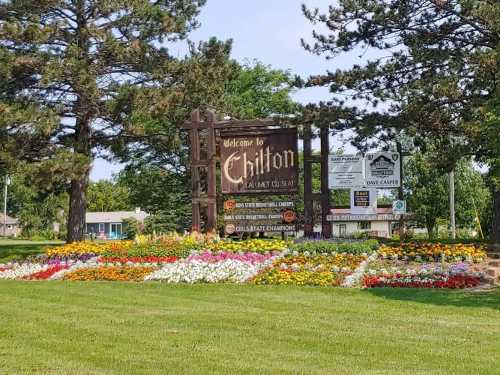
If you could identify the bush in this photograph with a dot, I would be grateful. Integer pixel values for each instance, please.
(132, 228)
(329, 247)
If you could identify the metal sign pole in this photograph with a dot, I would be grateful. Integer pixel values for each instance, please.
(5, 206)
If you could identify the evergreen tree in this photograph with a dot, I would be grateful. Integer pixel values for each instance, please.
(436, 63)
(71, 73)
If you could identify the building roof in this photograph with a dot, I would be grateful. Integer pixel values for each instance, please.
(10, 220)
(347, 211)
(115, 216)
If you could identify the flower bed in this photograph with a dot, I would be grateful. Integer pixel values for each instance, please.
(77, 249)
(329, 247)
(397, 274)
(201, 259)
(437, 281)
(172, 245)
(318, 270)
(143, 259)
(103, 273)
(229, 270)
(434, 252)
(212, 257)
(252, 246)
(47, 273)
(20, 271)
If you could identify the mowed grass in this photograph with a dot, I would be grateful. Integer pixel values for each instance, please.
(153, 328)
(11, 249)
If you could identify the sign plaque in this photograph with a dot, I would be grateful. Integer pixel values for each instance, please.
(259, 162)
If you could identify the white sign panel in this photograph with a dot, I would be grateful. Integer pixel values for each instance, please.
(345, 171)
(399, 207)
(382, 170)
(363, 201)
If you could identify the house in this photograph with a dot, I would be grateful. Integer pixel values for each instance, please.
(111, 225)
(9, 226)
(382, 224)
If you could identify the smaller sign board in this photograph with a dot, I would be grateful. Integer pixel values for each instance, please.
(241, 228)
(382, 170)
(399, 207)
(345, 171)
(363, 201)
(275, 216)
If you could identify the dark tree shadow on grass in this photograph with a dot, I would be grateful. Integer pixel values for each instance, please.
(442, 297)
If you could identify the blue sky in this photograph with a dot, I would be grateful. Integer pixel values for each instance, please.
(266, 30)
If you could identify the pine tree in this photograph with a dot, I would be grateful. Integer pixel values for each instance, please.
(436, 63)
(70, 73)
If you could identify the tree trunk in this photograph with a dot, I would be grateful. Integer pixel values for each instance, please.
(78, 192)
(77, 209)
(495, 227)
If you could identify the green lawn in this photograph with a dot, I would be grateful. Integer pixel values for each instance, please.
(152, 328)
(19, 249)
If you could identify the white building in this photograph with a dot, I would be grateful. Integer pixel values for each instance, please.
(382, 224)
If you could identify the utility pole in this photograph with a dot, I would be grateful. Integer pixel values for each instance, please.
(399, 149)
(6, 183)
(452, 204)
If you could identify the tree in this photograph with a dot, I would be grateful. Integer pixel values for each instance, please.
(426, 190)
(103, 196)
(436, 63)
(38, 207)
(157, 174)
(258, 91)
(161, 193)
(72, 69)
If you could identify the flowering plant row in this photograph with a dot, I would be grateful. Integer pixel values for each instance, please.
(199, 259)
(414, 275)
(442, 281)
(143, 259)
(252, 245)
(308, 269)
(434, 252)
(103, 273)
(329, 247)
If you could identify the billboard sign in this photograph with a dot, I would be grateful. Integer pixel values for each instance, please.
(382, 170)
(259, 162)
(345, 171)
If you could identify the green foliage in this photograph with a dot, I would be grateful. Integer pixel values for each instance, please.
(437, 63)
(427, 189)
(158, 249)
(82, 79)
(37, 208)
(132, 228)
(105, 196)
(259, 91)
(160, 192)
(319, 247)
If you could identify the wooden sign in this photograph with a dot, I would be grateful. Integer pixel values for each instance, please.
(259, 162)
(274, 216)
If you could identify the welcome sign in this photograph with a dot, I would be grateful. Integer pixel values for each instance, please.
(259, 162)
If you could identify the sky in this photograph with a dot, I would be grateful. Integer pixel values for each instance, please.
(266, 30)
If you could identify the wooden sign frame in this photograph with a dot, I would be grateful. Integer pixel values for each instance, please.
(209, 198)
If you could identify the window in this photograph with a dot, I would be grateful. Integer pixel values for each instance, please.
(101, 227)
(365, 225)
